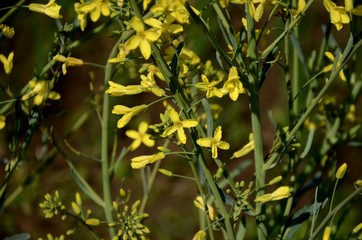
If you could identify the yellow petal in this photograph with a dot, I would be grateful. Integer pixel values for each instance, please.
(341, 171)
(281, 193)
(145, 48)
(327, 233)
(2, 121)
(188, 123)
(204, 142)
(200, 235)
(181, 135)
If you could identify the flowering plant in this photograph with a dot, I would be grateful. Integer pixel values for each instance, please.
(230, 100)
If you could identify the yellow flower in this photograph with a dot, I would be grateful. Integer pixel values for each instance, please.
(40, 90)
(260, 8)
(338, 14)
(127, 113)
(341, 171)
(200, 235)
(327, 233)
(175, 8)
(7, 62)
(116, 90)
(246, 149)
(2, 121)
(51, 9)
(225, 3)
(68, 61)
(142, 38)
(301, 5)
(209, 87)
(123, 51)
(140, 136)
(278, 194)
(233, 85)
(329, 67)
(149, 85)
(95, 8)
(142, 161)
(178, 125)
(8, 32)
(167, 25)
(214, 142)
(93, 222)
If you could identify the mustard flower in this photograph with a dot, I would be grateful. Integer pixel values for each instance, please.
(278, 194)
(52, 205)
(95, 8)
(178, 125)
(209, 87)
(233, 85)
(175, 8)
(2, 121)
(329, 67)
(128, 113)
(8, 32)
(142, 161)
(214, 142)
(68, 62)
(142, 38)
(92, 222)
(140, 136)
(40, 90)
(341, 171)
(7, 62)
(123, 51)
(116, 90)
(327, 233)
(200, 235)
(167, 25)
(246, 149)
(260, 8)
(51, 9)
(338, 14)
(149, 85)
(301, 5)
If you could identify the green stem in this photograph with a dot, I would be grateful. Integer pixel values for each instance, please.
(107, 194)
(11, 11)
(255, 121)
(334, 212)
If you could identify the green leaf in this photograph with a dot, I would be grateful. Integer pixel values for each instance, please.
(82, 183)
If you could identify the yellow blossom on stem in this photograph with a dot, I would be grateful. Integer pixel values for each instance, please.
(95, 8)
(8, 32)
(329, 67)
(68, 61)
(214, 142)
(327, 233)
(200, 235)
(51, 9)
(117, 90)
(209, 87)
(149, 85)
(233, 85)
(246, 149)
(142, 161)
(7, 62)
(40, 90)
(167, 25)
(341, 171)
(142, 39)
(123, 51)
(338, 14)
(127, 113)
(278, 194)
(2, 121)
(140, 136)
(178, 125)
(93, 222)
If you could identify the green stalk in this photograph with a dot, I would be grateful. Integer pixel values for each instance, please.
(255, 121)
(334, 212)
(107, 194)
